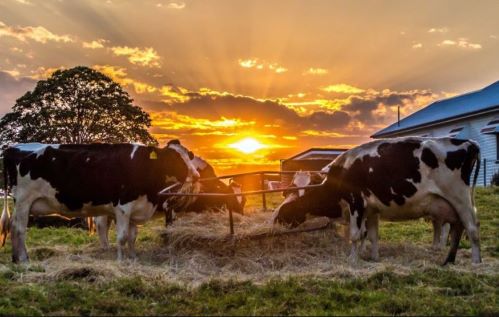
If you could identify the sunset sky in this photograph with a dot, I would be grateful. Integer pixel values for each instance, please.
(289, 74)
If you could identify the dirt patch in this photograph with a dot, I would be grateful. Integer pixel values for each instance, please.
(43, 253)
(85, 273)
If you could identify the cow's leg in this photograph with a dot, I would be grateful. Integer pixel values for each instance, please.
(18, 230)
(372, 234)
(102, 224)
(122, 226)
(437, 232)
(467, 215)
(456, 230)
(132, 236)
(444, 235)
(356, 234)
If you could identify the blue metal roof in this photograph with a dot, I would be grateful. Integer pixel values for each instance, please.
(452, 108)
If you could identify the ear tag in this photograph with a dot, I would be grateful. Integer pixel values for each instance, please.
(153, 156)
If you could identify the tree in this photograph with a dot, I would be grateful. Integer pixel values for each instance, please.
(78, 105)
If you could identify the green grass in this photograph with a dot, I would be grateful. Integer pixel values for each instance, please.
(423, 291)
(432, 291)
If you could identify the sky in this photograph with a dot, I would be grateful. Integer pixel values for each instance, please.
(291, 75)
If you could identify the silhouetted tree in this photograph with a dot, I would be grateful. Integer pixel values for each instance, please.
(78, 105)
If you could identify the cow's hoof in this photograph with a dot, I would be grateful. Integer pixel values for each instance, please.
(23, 259)
(353, 260)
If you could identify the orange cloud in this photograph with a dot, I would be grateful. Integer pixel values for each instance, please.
(343, 88)
(258, 64)
(35, 33)
(461, 43)
(119, 75)
(316, 71)
(95, 44)
(143, 57)
(44, 72)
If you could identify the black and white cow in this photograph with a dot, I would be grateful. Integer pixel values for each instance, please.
(120, 180)
(205, 170)
(195, 204)
(396, 179)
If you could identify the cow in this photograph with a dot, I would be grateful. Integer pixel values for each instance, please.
(397, 179)
(120, 180)
(301, 179)
(205, 170)
(196, 204)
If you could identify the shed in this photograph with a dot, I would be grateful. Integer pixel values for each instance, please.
(313, 159)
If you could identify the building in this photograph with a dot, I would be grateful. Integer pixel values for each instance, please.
(313, 159)
(474, 115)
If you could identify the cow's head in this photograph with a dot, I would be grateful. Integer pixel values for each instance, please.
(187, 157)
(302, 179)
(319, 201)
(173, 164)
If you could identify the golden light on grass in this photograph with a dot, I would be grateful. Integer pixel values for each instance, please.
(247, 145)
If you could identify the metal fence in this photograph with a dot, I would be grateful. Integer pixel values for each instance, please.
(489, 168)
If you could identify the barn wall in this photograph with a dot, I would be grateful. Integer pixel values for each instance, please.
(488, 142)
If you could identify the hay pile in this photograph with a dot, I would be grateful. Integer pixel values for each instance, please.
(196, 248)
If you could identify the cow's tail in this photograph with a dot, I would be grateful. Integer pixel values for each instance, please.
(5, 218)
(476, 162)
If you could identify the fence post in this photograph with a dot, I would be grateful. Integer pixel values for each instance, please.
(262, 185)
(484, 172)
(231, 222)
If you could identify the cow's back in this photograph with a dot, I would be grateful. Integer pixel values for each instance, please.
(394, 170)
(95, 174)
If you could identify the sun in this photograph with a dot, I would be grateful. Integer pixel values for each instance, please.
(247, 145)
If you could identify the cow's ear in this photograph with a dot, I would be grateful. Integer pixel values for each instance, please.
(174, 141)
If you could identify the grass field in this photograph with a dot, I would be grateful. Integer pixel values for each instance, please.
(70, 275)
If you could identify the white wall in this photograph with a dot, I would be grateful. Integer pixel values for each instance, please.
(472, 127)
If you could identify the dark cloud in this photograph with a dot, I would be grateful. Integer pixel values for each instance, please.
(11, 89)
(364, 105)
(268, 112)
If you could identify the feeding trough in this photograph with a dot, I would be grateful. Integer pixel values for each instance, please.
(168, 191)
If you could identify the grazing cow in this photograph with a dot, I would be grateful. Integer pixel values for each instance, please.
(205, 170)
(196, 204)
(397, 179)
(121, 180)
(301, 179)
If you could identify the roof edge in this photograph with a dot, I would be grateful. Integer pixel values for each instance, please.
(314, 149)
(432, 123)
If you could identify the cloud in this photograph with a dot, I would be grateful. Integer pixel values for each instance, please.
(11, 89)
(378, 108)
(95, 44)
(119, 75)
(34, 33)
(439, 30)
(25, 2)
(13, 72)
(343, 88)
(176, 5)
(461, 43)
(44, 72)
(417, 45)
(143, 57)
(267, 114)
(174, 93)
(315, 71)
(255, 63)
